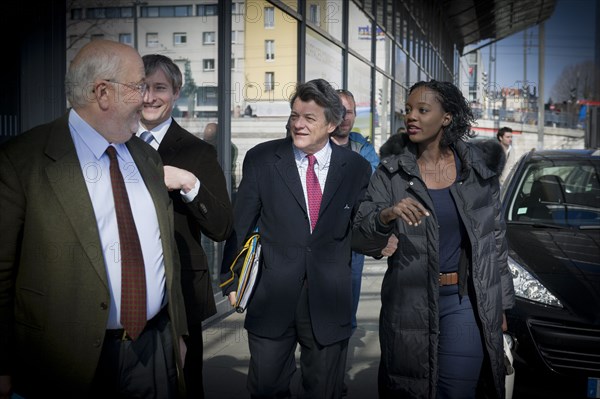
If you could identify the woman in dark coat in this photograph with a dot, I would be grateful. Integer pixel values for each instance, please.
(448, 283)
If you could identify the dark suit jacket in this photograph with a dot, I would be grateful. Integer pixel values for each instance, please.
(54, 295)
(271, 193)
(210, 213)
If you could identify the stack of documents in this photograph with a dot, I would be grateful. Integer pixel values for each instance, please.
(248, 274)
(245, 266)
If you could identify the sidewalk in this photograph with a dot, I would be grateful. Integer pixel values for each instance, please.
(226, 355)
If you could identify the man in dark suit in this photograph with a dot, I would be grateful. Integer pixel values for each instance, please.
(200, 201)
(304, 292)
(62, 253)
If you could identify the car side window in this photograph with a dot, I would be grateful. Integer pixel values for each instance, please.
(562, 193)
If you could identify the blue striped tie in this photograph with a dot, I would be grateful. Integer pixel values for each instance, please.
(147, 137)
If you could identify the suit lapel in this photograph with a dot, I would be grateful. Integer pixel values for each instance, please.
(288, 170)
(67, 182)
(335, 176)
(153, 180)
(171, 143)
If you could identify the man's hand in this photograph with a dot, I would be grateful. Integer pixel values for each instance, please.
(179, 179)
(232, 297)
(391, 246)
(182, 350)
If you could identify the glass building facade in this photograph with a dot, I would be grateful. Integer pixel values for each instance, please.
(241, 61)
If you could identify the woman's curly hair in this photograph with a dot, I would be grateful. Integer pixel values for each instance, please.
(452, 101)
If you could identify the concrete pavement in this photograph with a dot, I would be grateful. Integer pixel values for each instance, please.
(226, 355)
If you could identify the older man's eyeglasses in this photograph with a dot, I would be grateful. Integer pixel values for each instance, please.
(142, 88)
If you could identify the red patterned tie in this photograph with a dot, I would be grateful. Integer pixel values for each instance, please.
(133, 276)
(313, 190)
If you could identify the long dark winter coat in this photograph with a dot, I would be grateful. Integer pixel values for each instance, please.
(409, 319)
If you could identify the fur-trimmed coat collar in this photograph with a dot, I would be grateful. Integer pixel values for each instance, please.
(487, 151)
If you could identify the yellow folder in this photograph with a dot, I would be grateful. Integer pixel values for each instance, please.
(246, 266)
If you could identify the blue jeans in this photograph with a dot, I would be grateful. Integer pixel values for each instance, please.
(358, 262)
(460, 350)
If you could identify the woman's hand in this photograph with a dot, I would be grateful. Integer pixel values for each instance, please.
(408, 209)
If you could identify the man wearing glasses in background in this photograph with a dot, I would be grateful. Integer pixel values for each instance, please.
(354, 141)
(345, 137)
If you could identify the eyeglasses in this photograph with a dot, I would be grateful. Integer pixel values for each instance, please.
(142, 88)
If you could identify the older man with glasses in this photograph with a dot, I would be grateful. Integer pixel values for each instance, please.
(92, 305)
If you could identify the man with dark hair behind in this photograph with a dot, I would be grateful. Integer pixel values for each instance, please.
(505, 137)
(200, 201)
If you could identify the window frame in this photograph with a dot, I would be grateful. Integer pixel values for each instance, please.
(180, 36)
(206, 62)
(269, 13)
(269, 81)
(126, 35)
(207, 35)
(269, 50)
(152, 39)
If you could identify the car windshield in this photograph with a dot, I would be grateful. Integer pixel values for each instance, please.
(558, 193)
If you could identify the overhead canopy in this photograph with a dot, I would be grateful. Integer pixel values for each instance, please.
(473, 21)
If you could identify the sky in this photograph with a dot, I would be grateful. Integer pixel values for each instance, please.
(570, 40)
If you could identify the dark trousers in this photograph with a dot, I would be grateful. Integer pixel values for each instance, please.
(144, 368)
(460, 349)
(358, 263)
(192, 369)
(272, 361)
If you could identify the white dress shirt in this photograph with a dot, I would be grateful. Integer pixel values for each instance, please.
(95, 165)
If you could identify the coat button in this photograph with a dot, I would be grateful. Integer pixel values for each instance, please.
(308, 249)
(103, 306)
(97, 343)
(410, 183)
